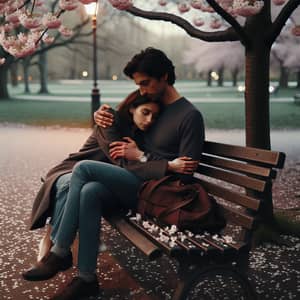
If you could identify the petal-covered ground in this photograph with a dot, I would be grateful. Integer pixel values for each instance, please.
(26, 153)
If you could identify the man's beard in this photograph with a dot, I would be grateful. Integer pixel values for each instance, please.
(157, 96)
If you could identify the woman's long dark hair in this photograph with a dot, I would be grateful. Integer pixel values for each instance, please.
(133, 100)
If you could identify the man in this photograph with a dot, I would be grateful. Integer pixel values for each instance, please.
(177, 136)
(179, 130)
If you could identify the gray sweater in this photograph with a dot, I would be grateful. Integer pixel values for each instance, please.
(179, 131)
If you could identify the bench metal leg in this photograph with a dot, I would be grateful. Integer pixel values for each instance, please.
(214, 283)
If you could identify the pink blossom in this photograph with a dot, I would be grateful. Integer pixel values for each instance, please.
(162, 2)
(30, 21)
(13, 18)
(183, 7)
(68, 4)
(215, 24)
(22, 48)
(278, 2)
(66, 32)
(198, 22)
(87, 1)
(51, 21)
(7, 42)
(296, 30)
(2, 61)
(245, 9)
(12, 6)
(197, 4)
(121, 4)
(39, 3)
(48, 39)
(8, 27)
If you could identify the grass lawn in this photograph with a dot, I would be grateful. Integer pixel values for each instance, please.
(284, 115)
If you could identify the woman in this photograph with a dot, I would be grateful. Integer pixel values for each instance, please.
(52, 194)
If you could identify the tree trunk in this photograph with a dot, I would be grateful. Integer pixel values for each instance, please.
(221, 77)
(257, 109)
(43, 68)
(257, 97)
(284, 77)
(14, 74)
(298, 79)
(26, 62)
(4, 95)
(234, 74)
(72, 73)
(209, 81)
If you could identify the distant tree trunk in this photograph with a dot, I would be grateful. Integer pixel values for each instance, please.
(209, 81)
(284, 77)
(298, 79)
(14, 74)
(72, 73)
(221, 77)
(43, 68)
(26, 63)
(108, 72)
(234, 74)
(4, 95)
(73, 69)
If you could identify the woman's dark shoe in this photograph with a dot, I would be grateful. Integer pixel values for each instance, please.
(48, 267)
(78, 289)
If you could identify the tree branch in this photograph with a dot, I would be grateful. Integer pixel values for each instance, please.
(216, 36)
(281, 19)
(230, 20)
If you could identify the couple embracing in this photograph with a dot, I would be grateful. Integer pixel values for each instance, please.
(154, 132)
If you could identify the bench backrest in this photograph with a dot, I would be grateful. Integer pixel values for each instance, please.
(240, 178)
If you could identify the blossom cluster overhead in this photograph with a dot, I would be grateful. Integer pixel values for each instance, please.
(236, 8)
(25, 23)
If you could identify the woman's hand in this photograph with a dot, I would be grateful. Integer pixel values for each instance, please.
(183, 165)
(127, 149)
(102, 117)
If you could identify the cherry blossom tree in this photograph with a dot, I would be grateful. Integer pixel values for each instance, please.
(205, 57)
(248, 22)
(285, 51)
(252, 24)
(30, 28)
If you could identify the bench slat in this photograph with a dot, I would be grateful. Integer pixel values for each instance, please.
(271, 158)
(234, 197)
(134, 236)
(237, 217)
(237, 166)
(176, 251)
(237, 179)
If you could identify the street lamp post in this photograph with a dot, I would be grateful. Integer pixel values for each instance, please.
(92, 10)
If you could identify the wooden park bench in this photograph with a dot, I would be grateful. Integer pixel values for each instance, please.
(240, 178)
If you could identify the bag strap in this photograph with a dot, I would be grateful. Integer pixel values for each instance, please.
(171, 209)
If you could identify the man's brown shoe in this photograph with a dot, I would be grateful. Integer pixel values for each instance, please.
(78, 289)
(48, 267)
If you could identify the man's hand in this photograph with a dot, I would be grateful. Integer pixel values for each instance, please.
(127, 149)
(102, 117)
(183, 165)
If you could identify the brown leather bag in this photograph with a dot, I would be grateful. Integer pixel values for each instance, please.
(188, 206)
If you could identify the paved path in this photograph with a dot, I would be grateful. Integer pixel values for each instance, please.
(26, 153)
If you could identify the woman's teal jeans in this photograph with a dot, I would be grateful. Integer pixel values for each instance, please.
(82, 197)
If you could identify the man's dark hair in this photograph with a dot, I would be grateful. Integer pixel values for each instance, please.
(152, 62)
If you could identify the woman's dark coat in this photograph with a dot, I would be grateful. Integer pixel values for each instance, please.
(96, 148)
